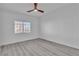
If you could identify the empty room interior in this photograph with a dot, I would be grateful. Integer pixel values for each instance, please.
(39, 29)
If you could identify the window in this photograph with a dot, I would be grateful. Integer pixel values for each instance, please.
(22, 27)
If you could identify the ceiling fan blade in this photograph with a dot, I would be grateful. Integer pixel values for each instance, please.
(41, 11)
(36, 9)
(35, 5)
(30, 10)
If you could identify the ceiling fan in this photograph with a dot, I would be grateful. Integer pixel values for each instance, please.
(36, 9)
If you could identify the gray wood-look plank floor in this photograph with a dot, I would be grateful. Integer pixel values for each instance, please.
(37, 47)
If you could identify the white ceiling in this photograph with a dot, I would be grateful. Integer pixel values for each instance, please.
(23, 7)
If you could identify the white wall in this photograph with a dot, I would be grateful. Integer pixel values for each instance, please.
(62, 25)
(0, 28)
(7, 35)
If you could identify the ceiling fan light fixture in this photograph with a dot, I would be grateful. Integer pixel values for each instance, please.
(35, 10)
